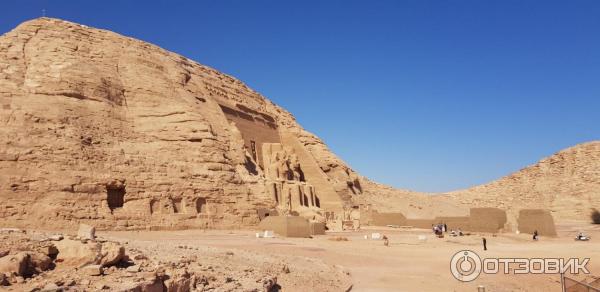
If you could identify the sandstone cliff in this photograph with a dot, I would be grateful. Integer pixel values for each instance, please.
(105, 128)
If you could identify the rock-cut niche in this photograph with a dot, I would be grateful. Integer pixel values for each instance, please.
(201, 206)
(177, 205)
(115, 196)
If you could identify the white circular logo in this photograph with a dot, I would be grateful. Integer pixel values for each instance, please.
(465, 266)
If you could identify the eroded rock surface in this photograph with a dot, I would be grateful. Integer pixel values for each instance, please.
(102, 128)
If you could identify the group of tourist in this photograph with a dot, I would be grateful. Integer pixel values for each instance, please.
(582, 237)
(456, 232)
(441, 228)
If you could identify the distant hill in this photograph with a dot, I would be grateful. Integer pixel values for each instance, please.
(567, 183)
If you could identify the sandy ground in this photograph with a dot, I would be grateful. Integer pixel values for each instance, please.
(407, 264)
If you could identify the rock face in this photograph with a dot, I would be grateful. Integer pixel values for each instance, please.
(98, 127)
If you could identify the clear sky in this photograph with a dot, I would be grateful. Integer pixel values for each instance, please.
(424, 95)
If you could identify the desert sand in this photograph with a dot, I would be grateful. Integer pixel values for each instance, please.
(406, 264)
(235, 260)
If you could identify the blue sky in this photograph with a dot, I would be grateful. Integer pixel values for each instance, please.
(424, 95)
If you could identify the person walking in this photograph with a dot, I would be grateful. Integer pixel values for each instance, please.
(484, 243)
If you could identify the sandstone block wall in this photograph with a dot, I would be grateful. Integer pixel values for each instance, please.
(289, 226)
(536, 219)
(420, 223)
(462, 223)
(487, 219)
(480, 220)
(317, 228)
(383, 219)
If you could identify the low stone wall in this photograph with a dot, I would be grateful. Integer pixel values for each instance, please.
(479, 220)
(317, 228)
(536, 219)
(383, 219)
(487, 219)
(420, 223)
(288, 226)
(461, 222)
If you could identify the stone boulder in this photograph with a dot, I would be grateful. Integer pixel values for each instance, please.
(51, 287)
(78, 254)
(86, 232)
(155, 285)
(25, 264)
(269, 283)
(75, 253)
(17, 264)
(3, 280)
(179, 282)
(111, 254)
(92, 270)
(38, 263)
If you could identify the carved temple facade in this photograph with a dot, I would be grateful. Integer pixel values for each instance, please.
(293, 180)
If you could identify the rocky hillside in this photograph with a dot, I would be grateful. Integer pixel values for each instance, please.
(108, 129)
(567, 183)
